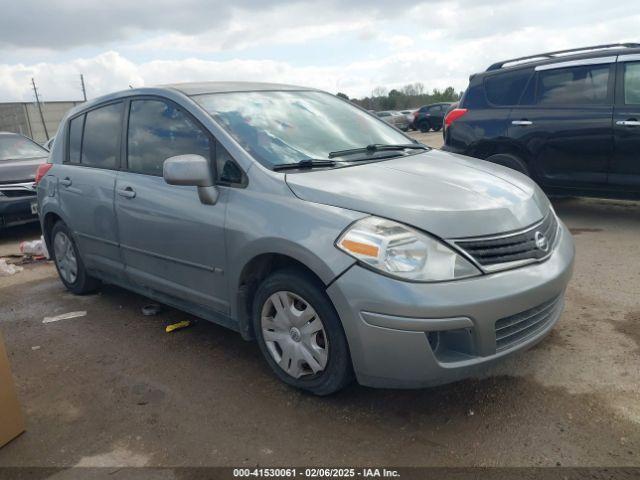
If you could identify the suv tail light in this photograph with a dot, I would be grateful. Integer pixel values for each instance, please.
(42, 171)
(453, 115)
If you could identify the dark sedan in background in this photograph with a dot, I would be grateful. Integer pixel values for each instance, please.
(19, 159)
(430, 117)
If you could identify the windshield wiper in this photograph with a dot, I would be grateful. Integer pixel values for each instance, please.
(304, 164)
(370, 149)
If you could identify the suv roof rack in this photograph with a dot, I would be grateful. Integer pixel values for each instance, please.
(499, 65)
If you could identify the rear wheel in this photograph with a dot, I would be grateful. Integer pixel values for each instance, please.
(511, 161)
(300, 334)
(437, 128)
(69, 263)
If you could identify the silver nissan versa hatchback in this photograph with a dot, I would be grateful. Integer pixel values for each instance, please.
(343, 247)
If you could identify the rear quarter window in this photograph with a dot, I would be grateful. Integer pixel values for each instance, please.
(76, 125)
(505, 89)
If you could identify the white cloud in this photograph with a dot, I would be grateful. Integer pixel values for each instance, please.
(374, 43)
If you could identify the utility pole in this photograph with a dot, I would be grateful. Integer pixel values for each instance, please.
(35, 90)
(84, 90)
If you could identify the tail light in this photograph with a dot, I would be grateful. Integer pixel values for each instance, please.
(415, 114)
(42, 171)
(453, 115)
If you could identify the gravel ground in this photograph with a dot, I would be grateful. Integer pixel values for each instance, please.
(113, 389)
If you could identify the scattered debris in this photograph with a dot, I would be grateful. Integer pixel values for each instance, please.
(64, 316)
(27, 259)
(177, 326)
(151, 309)
(35, 248)
(7, 269)
(35, 347)
(471, 413)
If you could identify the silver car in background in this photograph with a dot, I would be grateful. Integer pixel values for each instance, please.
(19, 159)
(409, 114)
(394, 118)
(341, 246)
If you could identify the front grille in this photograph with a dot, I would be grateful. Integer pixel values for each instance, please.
(516, 247)
(18, 193)
(517, 328)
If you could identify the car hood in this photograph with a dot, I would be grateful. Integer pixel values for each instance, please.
(19, 171)
(448, 195)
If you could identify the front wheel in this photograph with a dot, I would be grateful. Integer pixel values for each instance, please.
(300, 334)
(69, 263)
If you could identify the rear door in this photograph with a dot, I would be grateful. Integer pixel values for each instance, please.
(436, 116)
(86, 182)
(171, 242)
(625, 166)
(564, 122)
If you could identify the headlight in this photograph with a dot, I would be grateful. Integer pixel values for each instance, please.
(403, 252)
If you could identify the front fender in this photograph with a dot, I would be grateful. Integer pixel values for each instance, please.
(259, 224)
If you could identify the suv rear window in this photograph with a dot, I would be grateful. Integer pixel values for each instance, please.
(506, 88)
(583, 85)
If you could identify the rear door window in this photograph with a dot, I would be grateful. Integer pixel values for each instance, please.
(505, 89)
(101, 138)
(632, 83)
(581, 85)
(159, 130)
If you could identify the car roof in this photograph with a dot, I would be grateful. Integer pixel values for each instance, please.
(437, 103)
(199, 88)
(189, 89)
(565, 55)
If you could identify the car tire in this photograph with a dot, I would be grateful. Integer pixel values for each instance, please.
(424, 126)
(437, 128)
(65, 255)
(293, 291)
(511, 161)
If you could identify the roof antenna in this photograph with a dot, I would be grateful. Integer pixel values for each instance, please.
(130, 86)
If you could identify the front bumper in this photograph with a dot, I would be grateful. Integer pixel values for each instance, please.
(387, 321)
(17, 210)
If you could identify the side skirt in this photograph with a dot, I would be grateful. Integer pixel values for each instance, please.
(194, 309)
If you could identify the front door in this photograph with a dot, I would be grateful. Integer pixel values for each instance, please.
(564, 122)
(86, 183)
(625, 166)
(170, 241)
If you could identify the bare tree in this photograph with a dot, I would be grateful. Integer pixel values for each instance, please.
(379, 92)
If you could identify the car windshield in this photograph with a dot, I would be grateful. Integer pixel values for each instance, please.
(282, 127)
(15, 147)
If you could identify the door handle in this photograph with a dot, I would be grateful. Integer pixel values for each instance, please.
(522, 123)
(632, 122)
(127, 192)
(66, 181)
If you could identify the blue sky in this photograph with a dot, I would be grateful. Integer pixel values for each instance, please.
(351, 46)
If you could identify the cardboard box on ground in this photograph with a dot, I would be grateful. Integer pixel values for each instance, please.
(11, 419)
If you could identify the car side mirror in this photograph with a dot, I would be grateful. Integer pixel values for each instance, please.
(191, 170)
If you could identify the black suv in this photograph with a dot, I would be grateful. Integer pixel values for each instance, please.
(569, 119)
(430, 117)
